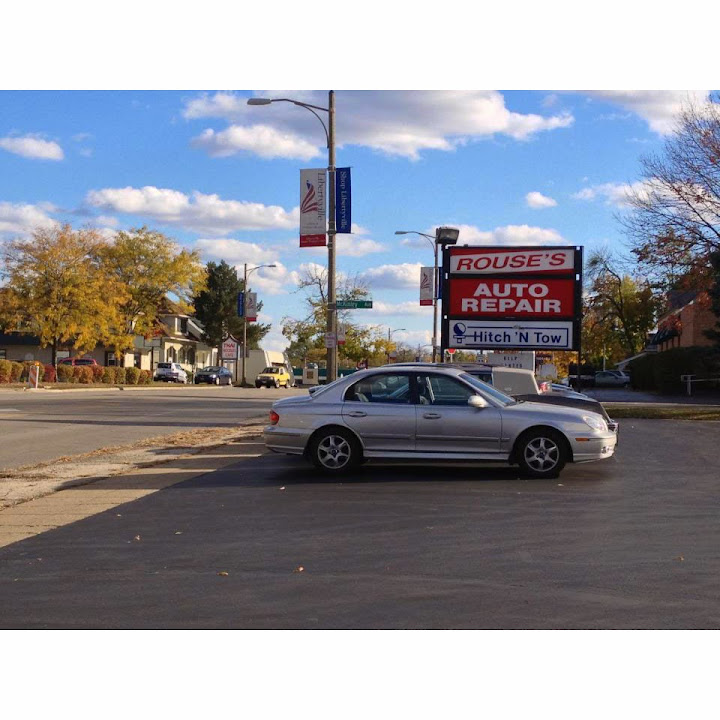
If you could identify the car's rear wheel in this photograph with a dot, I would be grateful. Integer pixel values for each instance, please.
(335, 450)
(541, 453)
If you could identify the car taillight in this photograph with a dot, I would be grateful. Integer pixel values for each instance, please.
(544, 387)
(274, 417)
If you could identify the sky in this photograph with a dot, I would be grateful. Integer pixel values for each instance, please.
(219, 176)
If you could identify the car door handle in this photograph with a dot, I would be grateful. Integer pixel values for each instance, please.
(357, 413)
(432, 416)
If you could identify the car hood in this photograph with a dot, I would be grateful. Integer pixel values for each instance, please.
(550, 412)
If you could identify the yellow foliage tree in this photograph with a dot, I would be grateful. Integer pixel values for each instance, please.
(57, 289)
(148, 266)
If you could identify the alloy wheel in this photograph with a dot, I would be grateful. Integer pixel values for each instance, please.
(542, 454)
(334, 452)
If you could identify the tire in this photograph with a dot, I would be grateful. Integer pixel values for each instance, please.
(257, 385)
(277, 384)
(217, 380)
(335, 451)
(541, 453)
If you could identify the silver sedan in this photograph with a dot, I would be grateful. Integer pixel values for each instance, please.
(433, 414)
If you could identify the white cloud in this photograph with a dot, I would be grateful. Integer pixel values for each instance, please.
(274, 340)
(403, 309)
(538, 201)
(32, 146)
(235, 252)
(21, 219)
(273, 281)
(197, 212)
(613, 193)
(659, 108)
(262, 140)
(510, 235)
(403, 123)
(393, 277)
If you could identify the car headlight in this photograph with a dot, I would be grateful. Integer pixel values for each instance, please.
(595, 422)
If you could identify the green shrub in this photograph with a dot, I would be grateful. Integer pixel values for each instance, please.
(662, 371)
(97, 373)
(16, 371)
(120, 375)
(65, 373)
(5, 371)
(132, 375)
(84, 374)
(145, 377)
(108, 375)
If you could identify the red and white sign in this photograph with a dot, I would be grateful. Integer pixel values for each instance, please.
(426, 285)
(341, 335)
(251, 306)
(512, 297)
(540, 261)
(313, 218)
(230, 349)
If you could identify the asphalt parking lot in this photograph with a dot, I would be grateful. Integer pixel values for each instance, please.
(630, 542)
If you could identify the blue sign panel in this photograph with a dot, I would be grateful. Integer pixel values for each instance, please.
(342, 200)
(241, 304)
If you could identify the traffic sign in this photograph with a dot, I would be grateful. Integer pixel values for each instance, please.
(354, 304)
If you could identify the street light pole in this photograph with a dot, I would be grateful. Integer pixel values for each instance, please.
(443, 235)
(246, 273)
(331, 327)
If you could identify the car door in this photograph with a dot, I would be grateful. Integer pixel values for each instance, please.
(380, 410)
(447, 425)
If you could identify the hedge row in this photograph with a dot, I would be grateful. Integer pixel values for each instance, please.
(661, 371)
(14, 372)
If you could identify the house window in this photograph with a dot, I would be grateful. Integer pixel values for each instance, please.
(191, 356)
(110, 359)
(3, 354)
(181, 355)
(183, 325)
(171, 355)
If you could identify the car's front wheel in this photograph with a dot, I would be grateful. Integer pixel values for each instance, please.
(335, 450)
(541, 453)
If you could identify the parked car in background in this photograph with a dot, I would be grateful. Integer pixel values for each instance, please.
(78, 361)
(521, 384)
(214, 375)
(432, 413)
(273, 377)
(611, 378)
(170, 372)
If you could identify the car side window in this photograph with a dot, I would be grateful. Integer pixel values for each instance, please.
(386, 388)
(442, 390)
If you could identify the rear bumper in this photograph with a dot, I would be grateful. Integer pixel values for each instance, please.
(285, 440)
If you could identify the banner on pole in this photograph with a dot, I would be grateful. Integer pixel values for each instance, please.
(426, 285)
(343, 200)
(241, 304)
(251, 306)
(341, 335)
(313, 217)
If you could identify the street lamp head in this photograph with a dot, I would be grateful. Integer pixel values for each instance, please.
(259, 101)
(446, 235)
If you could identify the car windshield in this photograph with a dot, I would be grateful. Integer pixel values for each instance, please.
(320, 389)
(270, 370)
(211, 369)
(164, 366)
(494, 393)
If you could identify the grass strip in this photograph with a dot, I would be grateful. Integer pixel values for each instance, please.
(663, 412)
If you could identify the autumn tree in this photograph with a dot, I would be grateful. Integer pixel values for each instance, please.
(216, 307)
(57, 289)
(307, 334)
(620, 308)
(148, 266)
(674, 224)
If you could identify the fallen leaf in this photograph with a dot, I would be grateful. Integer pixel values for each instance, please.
(178, 532)
(282, 488)
(222, 573)
(680, 558)
(137, 538)
(560, 485)
(299, 569)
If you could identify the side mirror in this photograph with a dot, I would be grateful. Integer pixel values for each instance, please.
(477, 402)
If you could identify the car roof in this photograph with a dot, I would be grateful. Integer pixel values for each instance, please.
(461, 366)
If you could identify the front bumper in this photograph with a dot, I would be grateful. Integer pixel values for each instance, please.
(595, 447)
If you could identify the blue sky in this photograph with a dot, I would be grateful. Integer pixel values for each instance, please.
(519, 167)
